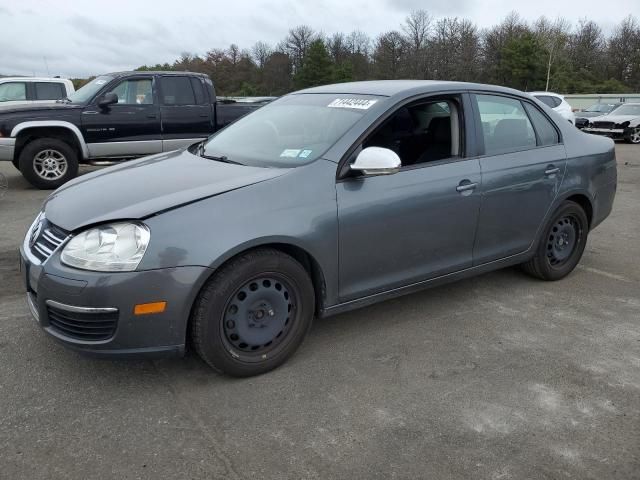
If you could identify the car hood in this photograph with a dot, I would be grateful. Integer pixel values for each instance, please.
(617, 118)
(140, 188)
(37, 107)
(589, 114)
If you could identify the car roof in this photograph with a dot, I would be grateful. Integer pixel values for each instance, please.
(552, 94)
(154, 72)
(33, 79)
(388, 88)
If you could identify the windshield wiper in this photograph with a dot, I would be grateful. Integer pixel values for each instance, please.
(217, 158)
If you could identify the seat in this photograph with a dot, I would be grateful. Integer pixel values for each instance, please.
(508, 134)
(438, 140)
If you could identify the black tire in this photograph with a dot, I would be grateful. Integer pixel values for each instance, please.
(16, 163)
(225, 328)
(48, 163)
(633, 137)
(562, 243)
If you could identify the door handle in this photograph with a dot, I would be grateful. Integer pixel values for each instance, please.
(466, 186)
(551, 170)
(205, 115)
(152, 116)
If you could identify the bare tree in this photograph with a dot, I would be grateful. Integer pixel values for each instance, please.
(553, 37)
(416, 30)
(260, 52)
(297, 44)
(389, 54)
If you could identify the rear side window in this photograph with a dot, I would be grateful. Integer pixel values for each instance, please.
(505, 125)
(547, 133)
(12, 91)
(49, 91)
(177, 91)
(198, 90)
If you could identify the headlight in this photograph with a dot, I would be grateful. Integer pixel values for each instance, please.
(117, 247)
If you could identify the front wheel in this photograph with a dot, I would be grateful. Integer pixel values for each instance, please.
(562, 244)
(253, 314)
(634, 136)
(48, 163)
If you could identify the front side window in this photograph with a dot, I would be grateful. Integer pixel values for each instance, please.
(13, 91)
(137, 91)
(291, 131)
(49, 91)
(177, 91)
(505, 125)
(422, 133)
(547, 133)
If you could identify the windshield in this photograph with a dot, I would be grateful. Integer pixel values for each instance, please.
(601, 107)
(291, 131)
(86, 93)
(628, 110)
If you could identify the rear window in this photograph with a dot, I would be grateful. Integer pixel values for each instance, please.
(553, 102)
(49, 91)
(12, 91)
(198, 90)
(505, 125)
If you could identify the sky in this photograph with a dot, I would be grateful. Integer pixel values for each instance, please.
(88, 37)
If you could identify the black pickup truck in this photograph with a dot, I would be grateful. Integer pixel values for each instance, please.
(114, 117)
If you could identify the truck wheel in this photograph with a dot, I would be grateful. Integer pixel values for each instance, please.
(48, 163)
(562, 244)
(634, 136)
(253, 314)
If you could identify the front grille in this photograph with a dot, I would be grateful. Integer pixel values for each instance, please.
(88, 326)
(47, 239)
(603, 124)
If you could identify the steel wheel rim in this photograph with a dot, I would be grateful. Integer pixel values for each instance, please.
(564, 237)
(635, 135)
(50, 164)
(259, 316)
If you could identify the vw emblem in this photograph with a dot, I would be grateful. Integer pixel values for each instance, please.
(35, 234)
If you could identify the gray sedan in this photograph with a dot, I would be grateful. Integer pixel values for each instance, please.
(323, 201)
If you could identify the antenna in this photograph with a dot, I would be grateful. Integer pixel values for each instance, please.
(46, 65)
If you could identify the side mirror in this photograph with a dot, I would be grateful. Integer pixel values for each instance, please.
(377, 161)
(108, 99)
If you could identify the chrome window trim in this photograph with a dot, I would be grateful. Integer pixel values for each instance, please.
(76, 309)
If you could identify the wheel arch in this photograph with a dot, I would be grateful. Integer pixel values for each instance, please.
(585, 202)
(66, 131)
(293, 249)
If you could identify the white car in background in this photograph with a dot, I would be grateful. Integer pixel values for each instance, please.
(558, 103)
(15, 90)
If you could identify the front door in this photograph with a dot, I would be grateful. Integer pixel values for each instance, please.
(128, 128)
(187, 116)
(395, 230)
(522, 170)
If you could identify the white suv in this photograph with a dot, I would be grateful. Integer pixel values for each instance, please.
(558, 103)
(14, 90)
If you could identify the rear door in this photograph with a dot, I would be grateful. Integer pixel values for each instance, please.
(522, 169)
(129, 128)
(185, 110)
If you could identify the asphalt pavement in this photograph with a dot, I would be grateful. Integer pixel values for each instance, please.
(497, 377)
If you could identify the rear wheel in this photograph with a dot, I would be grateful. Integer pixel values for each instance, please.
(562, 244)
(48, 163)
(634, 136)
(253, 314)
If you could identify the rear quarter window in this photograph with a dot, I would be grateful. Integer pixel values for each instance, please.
(547, 133)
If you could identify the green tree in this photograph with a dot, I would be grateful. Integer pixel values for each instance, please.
(522, 64)
(316, 67)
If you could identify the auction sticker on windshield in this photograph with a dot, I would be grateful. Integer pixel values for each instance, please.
(358, 103)
(290, 153)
